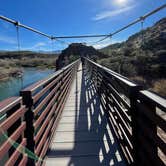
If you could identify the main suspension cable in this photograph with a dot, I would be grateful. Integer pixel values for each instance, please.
(140, 19)
(105, 36)
(142, 31)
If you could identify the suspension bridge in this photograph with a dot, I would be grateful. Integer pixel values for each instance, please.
(83, 114)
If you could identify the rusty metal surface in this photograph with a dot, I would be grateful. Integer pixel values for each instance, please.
(7, 144)
(12, 119)
(47, 99)
(12, 127)
(16, 154)
(9, 103)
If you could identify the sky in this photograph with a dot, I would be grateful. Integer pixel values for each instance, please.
(72, 17)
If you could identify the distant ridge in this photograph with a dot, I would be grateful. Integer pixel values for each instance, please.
(154, 39)
(142, 57)
(28, 51)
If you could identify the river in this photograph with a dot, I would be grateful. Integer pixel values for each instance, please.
(12, 86)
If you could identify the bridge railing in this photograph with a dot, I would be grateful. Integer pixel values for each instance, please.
(12, 128)
(27, 123)
(151, 129)
(45, 101)
(132, 114)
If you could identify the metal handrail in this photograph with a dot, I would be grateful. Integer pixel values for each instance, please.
(137, 116)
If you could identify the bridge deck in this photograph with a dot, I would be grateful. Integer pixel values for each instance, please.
(83, 136)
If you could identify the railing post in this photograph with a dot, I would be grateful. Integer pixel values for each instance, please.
(133, 100)
(150, 129)
(153, 130)
(29, 117)
(83, 61)
(62, 82)
(98, 82)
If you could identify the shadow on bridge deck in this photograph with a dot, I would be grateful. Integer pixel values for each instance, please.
(83, 136)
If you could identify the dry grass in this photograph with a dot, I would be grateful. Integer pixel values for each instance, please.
(10, 67)
(139, 80)
(159, 87)
(5, 73)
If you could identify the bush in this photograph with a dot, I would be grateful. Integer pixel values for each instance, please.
(127, 69)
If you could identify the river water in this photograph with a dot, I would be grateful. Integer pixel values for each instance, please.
(12, 86)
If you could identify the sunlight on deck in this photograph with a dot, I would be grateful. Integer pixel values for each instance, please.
(83, 136)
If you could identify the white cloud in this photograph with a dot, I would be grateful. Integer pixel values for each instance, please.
(100, 45)
(38, 45)
(116, 4)
(108, 14)
(7, 39)
(122, 3)
(105, 43)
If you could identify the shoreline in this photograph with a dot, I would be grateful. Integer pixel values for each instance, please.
(12, 74)
(18, 73)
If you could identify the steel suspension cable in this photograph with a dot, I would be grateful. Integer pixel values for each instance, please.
(105, 36)
(18, 47)
(18, 38)
(142, 28)
(140, 19)
(27, 27)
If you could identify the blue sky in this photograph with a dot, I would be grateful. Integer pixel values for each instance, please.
(72, 17)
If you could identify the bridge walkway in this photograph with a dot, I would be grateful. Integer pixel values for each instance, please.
(83, 136)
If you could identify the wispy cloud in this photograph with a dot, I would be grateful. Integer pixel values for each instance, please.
(38, 45)
(105, 43)
(7, 39)
(100, 45)
(108, 14)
